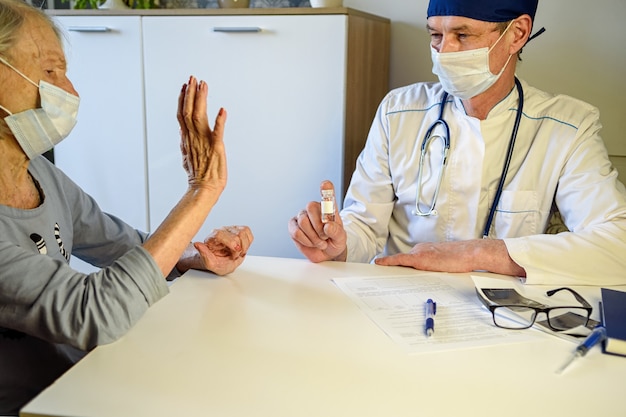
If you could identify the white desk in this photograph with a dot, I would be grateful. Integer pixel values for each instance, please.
(278, 338)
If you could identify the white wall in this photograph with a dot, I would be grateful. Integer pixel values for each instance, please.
(582, 53)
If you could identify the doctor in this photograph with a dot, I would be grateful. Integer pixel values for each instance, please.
(465, 174)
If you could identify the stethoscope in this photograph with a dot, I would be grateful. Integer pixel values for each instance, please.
(429, 137)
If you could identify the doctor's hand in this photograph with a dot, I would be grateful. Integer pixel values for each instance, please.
(204, 156)
(221, 252)
(461, 256)
(316, 240)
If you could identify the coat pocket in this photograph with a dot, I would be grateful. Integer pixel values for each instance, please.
(517, 214)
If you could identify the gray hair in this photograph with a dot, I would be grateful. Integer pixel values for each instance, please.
(13, 14)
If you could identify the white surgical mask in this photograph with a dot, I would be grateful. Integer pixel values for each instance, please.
(39, 130)
(466, 74)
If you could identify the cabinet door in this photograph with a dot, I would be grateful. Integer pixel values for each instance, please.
(282, 81)
(105, 153)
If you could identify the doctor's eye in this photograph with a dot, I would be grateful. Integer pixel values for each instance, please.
(461, 36)
(435, 40)
(435, 36)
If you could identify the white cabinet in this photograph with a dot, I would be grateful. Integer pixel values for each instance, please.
(105, 153)
(283, 89)
(300, 90)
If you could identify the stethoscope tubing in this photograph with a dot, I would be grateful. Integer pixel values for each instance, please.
(507, 161)
(428, 137)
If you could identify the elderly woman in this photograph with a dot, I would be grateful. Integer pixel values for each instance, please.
(49, 312)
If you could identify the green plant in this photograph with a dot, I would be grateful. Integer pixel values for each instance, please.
(83, 4)
(143, 4)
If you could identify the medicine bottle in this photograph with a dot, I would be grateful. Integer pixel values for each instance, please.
(328, 206)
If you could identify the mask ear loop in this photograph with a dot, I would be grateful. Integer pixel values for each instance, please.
(501, 35)
(5, 62)
(5, 109)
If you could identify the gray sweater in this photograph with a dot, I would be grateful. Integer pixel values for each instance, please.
(51, 314)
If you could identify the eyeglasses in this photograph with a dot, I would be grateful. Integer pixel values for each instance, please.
(514, 311)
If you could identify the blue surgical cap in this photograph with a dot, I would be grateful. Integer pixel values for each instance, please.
(485, 10)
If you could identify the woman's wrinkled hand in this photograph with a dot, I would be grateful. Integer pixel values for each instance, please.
(224, 249)
(202, 148)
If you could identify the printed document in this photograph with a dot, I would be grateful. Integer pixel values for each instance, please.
(397, 305)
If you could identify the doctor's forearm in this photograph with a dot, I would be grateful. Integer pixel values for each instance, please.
(457, 256)
(493, 256)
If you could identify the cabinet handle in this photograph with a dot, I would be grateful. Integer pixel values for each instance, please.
(244, 29)
(88, 29)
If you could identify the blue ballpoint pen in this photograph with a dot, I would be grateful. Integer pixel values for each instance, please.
(431, 310)
(596, 336)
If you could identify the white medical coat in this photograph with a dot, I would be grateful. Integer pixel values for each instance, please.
(559, 160)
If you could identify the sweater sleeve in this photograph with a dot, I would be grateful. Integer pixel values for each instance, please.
(42, 295)
(46, 298)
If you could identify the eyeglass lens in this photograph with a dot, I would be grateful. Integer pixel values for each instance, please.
(560, 318)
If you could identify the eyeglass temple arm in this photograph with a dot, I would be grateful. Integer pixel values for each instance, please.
(574, 293)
